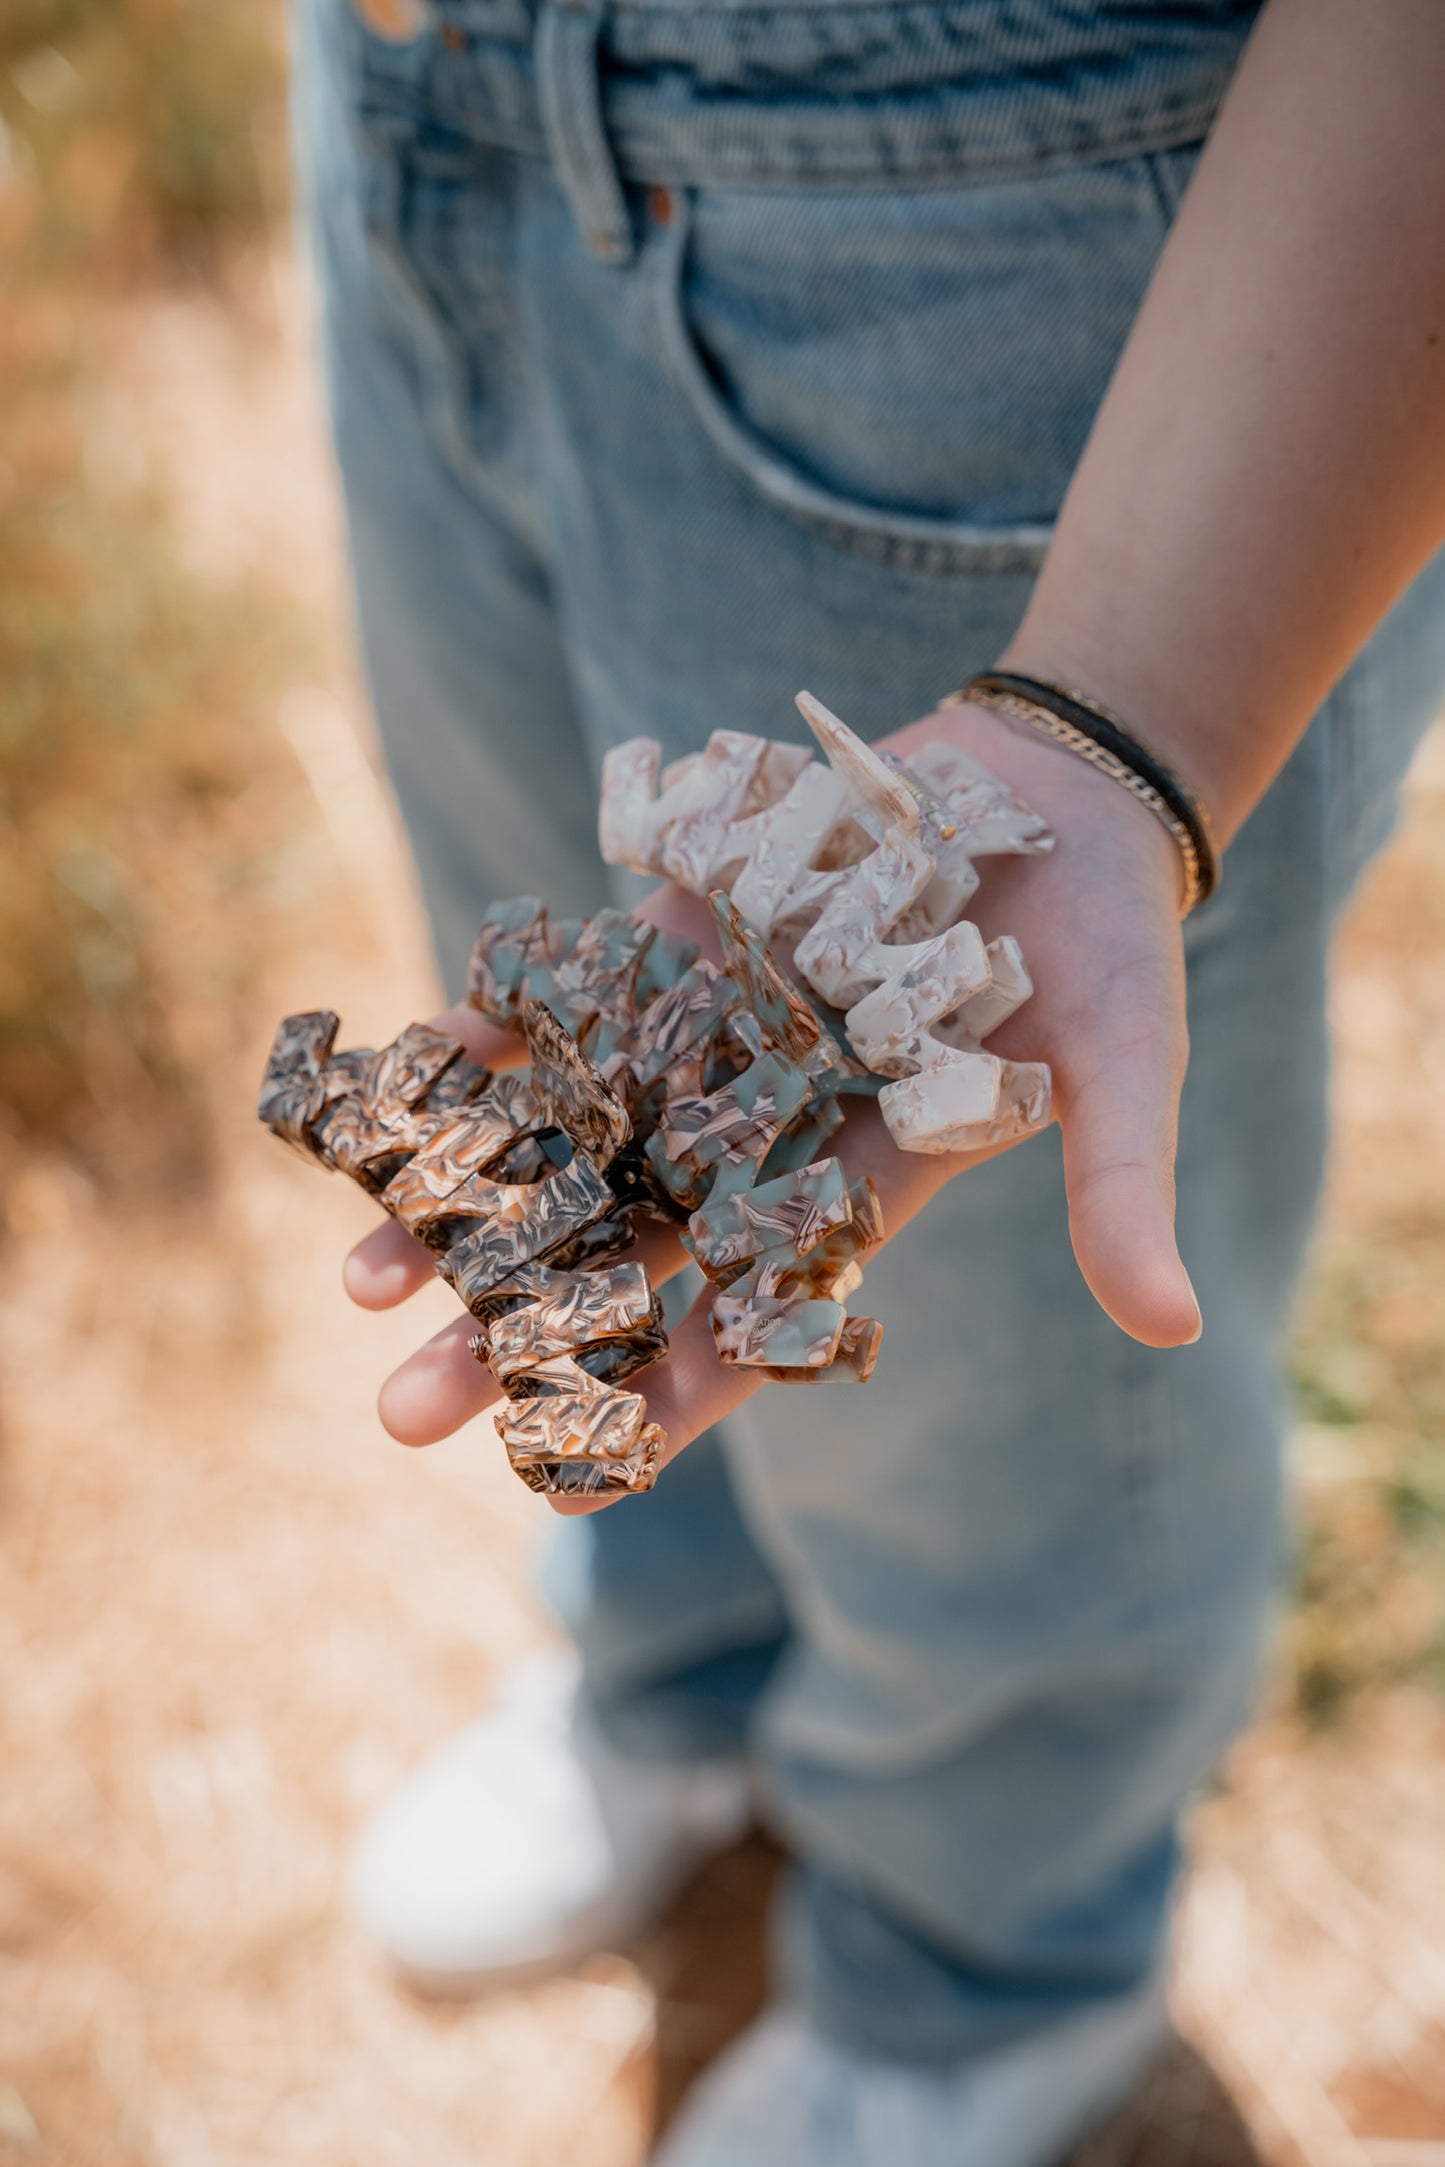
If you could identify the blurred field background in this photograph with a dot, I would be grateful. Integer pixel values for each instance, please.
(233, 1612)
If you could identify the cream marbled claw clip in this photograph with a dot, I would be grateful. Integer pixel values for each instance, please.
(860, 869)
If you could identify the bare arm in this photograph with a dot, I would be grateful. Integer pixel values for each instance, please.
(1267, 471)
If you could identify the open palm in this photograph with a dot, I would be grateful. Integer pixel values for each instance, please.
(1097, 920)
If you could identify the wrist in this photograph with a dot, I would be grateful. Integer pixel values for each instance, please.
(1066, 717)
(1186, 734)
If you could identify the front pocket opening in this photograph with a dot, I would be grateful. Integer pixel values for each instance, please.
(914, 541)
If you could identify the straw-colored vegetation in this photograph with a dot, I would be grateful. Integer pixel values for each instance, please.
(138, 144)
(1371, 1453)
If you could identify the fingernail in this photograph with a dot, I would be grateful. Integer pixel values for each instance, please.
(1198, 1333)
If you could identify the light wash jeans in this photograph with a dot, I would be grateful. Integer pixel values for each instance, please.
(683, 353)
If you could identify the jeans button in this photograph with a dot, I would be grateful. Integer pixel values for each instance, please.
(396, 20)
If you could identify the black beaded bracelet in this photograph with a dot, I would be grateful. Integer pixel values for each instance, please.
(1081, 724)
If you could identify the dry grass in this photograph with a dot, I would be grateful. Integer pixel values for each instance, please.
(232, 1612)
(1371, 1445)
(143, 806)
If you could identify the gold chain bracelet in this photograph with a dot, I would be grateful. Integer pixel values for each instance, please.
(1082, 726)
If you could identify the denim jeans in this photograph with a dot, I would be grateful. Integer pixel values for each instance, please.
(683, 353)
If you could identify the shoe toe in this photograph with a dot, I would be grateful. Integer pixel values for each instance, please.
(528, 1841)
(488, 1859)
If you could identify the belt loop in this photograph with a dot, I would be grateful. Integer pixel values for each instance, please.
(570, 92)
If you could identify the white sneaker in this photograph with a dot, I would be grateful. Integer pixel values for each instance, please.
(783, 2096)
(527, 1843)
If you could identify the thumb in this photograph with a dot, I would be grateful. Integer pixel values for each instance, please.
(1120, 1119)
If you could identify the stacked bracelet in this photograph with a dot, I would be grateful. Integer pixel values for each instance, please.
(1100, 737)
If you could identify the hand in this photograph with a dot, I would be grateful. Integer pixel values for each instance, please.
(1097, 921)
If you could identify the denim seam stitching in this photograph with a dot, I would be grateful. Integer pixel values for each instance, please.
(841, 153)
(445, 371)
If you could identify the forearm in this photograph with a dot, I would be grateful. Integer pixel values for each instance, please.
(1267, 471)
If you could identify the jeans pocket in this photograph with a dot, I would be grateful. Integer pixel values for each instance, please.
(916, 541)
(911, 372)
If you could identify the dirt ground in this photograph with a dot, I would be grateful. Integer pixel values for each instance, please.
(233, 1611)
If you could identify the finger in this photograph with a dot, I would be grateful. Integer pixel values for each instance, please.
(1119, 1139)
(692, 1389)
(484, 1041)
(686, 1394)
(389, 1265)
(1119, 1110)
(438, 1388)
(677, 910)
(443, 1385)
(386, 1267)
